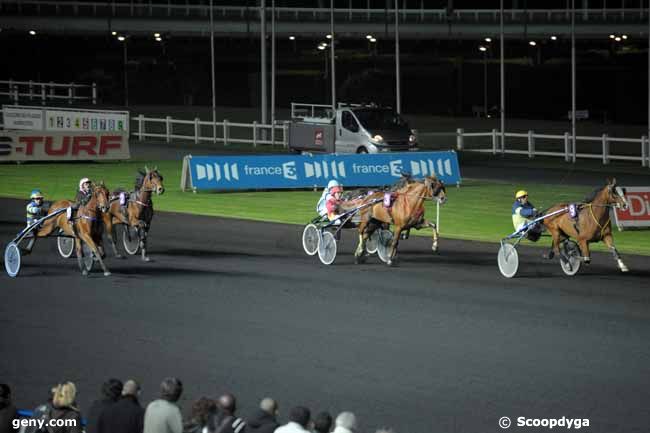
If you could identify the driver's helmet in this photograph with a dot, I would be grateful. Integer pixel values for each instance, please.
(81, 183)
(36, 194)
(333, 183)
(521, 193)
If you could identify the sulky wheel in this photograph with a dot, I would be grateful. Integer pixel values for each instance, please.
(327, 248)
(310, 239)
(130, 239)
(508, 259)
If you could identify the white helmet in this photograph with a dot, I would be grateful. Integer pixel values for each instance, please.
(82, 181)
(332, 183)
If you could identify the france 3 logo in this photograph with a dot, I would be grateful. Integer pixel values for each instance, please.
(325, 169)
(216, 171)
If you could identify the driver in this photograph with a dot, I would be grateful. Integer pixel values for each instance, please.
(333, 202)
(82, 197)
(523, 212)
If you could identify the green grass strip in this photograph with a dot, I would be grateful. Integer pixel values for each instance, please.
(478, 210)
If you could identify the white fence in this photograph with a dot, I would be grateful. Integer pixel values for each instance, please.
(32, 90)
(604, 147)
(225, 132)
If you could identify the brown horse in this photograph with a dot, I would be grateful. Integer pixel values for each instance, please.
(593, 223)
(406, 212)
(138, 211)
(85, 225)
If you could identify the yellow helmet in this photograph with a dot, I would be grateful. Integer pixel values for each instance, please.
(521, 193)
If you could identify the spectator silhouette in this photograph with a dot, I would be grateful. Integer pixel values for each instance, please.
(64, 407)
(202, 410)
(7, 410)
(264, 419)
(323, 423)
(298, 421)
(162, 415)
(110, 392)
(126, 415)
(346, 422)
(225, 421)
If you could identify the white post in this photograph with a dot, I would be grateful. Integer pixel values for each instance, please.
(644, 155)
(438, 216)
(459, 139)
(574, 148)
(255, 133)
(531, 145)
(567, 150)
(16, 94)
(43, 94)
(70, 93)
(605, 150)
(31, 90)
(225, 132)
(168, 128)
(285, 134)
(51, 89)
(141, 131)
(494, 141)
(94, 93)
(197, 130)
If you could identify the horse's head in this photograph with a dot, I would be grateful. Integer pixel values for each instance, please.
(101, 194)
(437, 188)
(153, 181)
(615, 195)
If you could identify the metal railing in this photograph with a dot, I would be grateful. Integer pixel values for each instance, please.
(163, 9)
(32, 90)
(196, 130)
(625, 149)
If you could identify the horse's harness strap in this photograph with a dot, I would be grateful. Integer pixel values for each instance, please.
(602, 227)
(141, 203)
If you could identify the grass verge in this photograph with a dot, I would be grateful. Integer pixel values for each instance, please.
(478, 210)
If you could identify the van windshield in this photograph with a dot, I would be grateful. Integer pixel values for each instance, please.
(373, 118)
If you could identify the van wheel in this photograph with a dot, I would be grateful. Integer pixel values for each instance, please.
(362, 150)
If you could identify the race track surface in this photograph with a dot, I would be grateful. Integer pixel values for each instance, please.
(441, 343)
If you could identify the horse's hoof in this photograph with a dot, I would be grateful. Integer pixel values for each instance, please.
(359, 260)
(587, 260)
(84, 273)
(435, 250)
(119, 256)
(392, 263)
(549, 256)
(146, 259)
(107, 274)
(624, 269)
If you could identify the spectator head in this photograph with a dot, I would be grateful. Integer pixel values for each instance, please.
(131, 387)
(300, 415)
(5, 395)
(269, 406)
(112, 389)
(171, 389)
(64, 395)
(323, 422)
(202, 409)
(227, 403)
(347, 420)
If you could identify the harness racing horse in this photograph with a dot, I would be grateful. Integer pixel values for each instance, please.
(85, 225)
(592, 223)
(406, 212)
(139, 210)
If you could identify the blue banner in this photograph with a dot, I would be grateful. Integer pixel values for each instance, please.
(307, 171)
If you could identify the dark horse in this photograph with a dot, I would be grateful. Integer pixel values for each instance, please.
(406, 212)
(138, 210)
(593, 222)
(85, 225)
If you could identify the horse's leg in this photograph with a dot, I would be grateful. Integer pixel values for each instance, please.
(555, 243)
(77, 246)
(584, 249)
(393, 246)
(609, 241)
(111, 233)
(88, 239)
(435, 235)
(142, 233)
(359, 253)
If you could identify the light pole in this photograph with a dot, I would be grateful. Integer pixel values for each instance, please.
(126, 75)
(484, 50)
